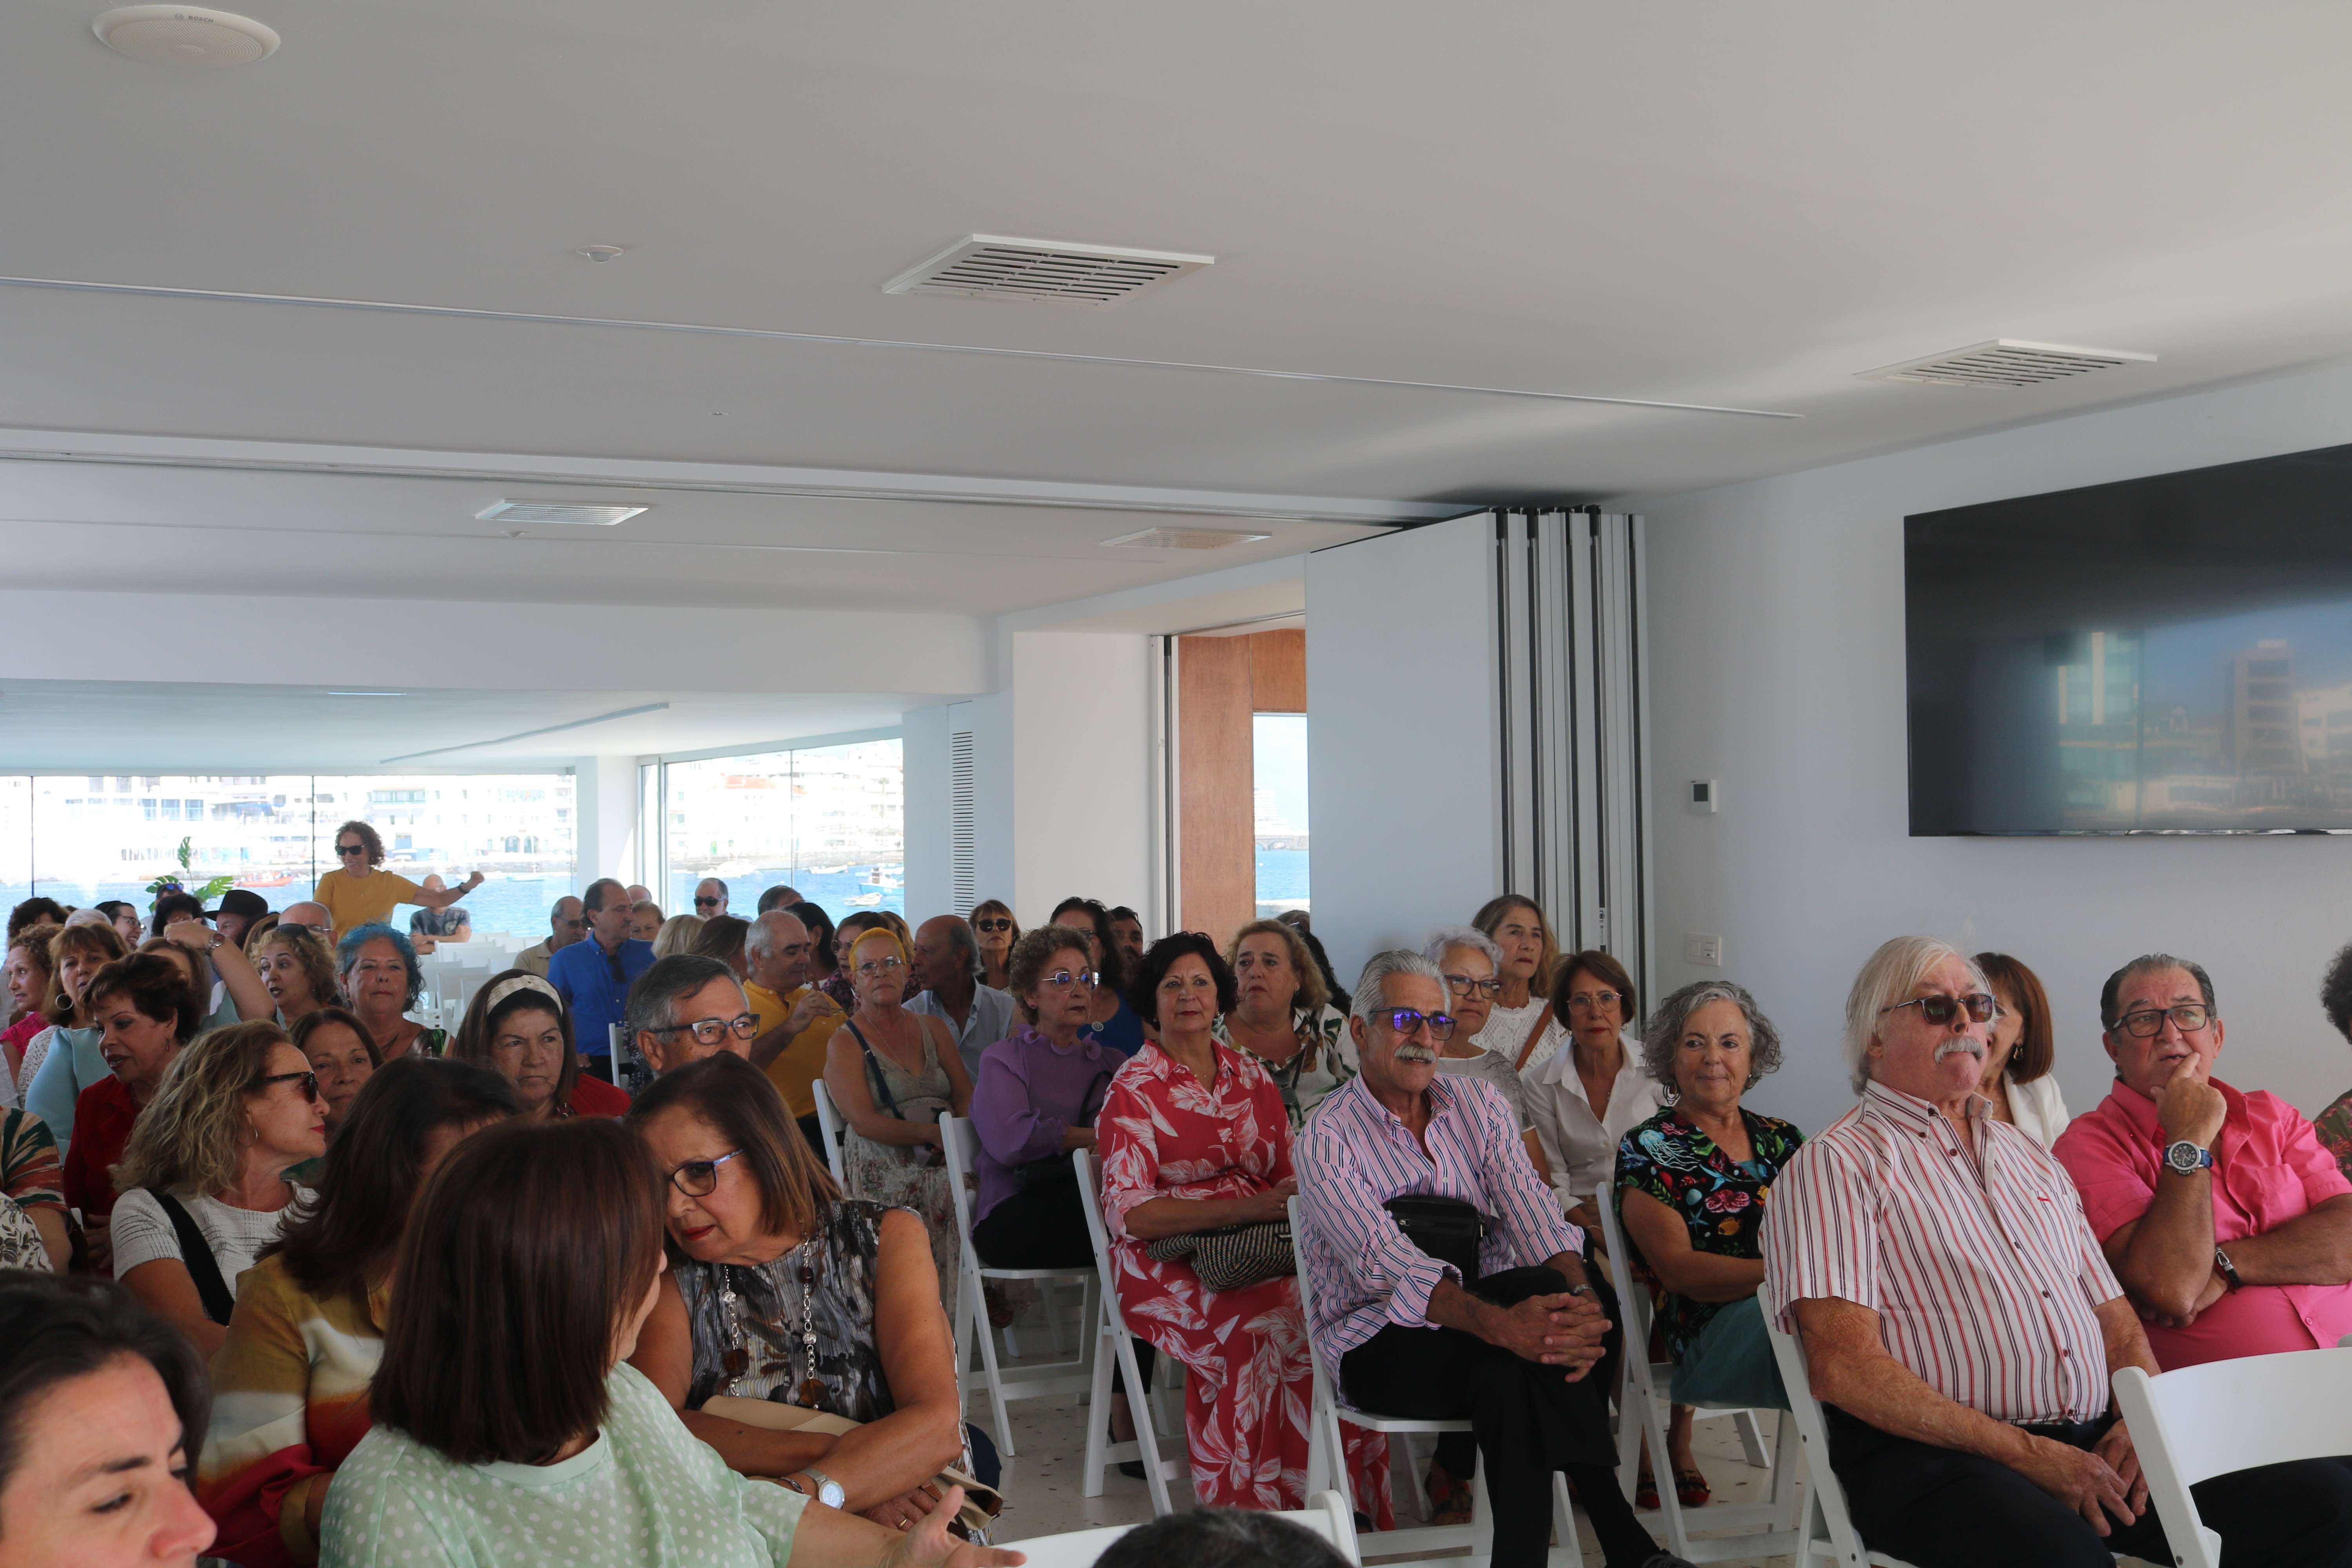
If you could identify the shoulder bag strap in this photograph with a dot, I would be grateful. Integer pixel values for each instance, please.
(197, 1254)
(874, 1078)
(1543, 1022)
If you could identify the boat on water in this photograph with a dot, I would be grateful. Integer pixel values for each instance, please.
(268, 879)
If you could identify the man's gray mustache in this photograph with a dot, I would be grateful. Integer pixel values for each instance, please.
(1415, 1054)
(1958, 1043)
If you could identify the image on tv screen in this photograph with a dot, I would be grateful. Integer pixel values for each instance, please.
(2167, 655)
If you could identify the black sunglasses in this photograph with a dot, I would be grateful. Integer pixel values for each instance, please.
(1942, 1010)
(308, 1080)
(351, 849)
(994, 925)
(706, 904)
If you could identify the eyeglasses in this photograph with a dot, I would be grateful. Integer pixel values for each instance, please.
(2148, 1023)
(351, 849)
(1587, 1001)
(706, 904)
(710, 1031)
(1462, 985)
(699, 1178)
(1063, 979)
(308, 1080)
(1405, 1020)
(874, 968)
(992, 925)
(1940, 1010)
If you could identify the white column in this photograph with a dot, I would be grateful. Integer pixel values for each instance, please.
(607, 842)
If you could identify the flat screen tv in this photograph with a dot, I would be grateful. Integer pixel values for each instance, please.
(2166, 655)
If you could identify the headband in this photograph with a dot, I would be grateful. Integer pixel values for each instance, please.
(505, 988)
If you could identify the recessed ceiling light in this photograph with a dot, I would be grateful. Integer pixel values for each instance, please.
(367, 693)
(1184, 539)
(184, 36)
(599, 514)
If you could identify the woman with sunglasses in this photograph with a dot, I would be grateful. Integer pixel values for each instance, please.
(208, 1162)
(993, 932)
(891, 1072)
(357, 894)
(781, 1289)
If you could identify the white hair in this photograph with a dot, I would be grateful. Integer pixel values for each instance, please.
(761, 936)
(1372, 985)
(1887, 979)
(1445, 938)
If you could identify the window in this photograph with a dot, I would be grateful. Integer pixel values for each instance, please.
(828, 820)
(1278, 766)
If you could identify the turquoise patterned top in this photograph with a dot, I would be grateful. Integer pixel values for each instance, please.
(645, 1494)
(1720, 1199)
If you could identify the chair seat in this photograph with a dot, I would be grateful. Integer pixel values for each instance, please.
(1081, 1272)
(1372, 1423)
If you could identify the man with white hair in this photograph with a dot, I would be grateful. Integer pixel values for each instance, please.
(1961, 1325)
(796, 1020)
(1505, 1327)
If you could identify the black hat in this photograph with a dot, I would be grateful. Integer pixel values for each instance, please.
(240, 901)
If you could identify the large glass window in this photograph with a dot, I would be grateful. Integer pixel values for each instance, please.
(827, 820)
(1278, 769)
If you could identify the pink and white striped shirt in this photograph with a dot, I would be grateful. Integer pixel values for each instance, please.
(1984, 1273)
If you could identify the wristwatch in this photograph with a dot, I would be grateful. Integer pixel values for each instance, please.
(2187, 1159)
(1584, 1290)
(828, 1491)
(2229, 1270)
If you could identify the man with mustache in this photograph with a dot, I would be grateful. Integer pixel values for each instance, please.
(2229, 1225)
(1961, 1325)
(1514, 1348)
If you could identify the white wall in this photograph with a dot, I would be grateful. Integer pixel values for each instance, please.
(1777, 666)
(1080, 739)
(1403, 796)
(930, 877)
(605, 791)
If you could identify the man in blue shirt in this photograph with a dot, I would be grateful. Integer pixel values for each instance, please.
(593, 976)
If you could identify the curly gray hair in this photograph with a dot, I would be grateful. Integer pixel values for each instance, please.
(1664, 1034)
(1444, 939)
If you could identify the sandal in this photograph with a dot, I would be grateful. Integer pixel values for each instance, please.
(1690, 1489)
(1645, 1490)
(1449, 1500)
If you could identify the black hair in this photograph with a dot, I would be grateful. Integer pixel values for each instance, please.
(175, 906)
(34, 909)
(1143, 992)
(1112, 963)
(2148, 963)
(1336, 992)
(58, 1330)
(1221, 1538)
(820, 929)
(2335, 993)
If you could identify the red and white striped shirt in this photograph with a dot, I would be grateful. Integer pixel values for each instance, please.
(1984, 1274)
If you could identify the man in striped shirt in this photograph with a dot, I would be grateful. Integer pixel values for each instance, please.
(1961, 1325)
(1516, 1348)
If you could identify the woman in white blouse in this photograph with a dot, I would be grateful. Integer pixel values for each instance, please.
(1584, 1099)
(1523, 1027)
(2017, 1077)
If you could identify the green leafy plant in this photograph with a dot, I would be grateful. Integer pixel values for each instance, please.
(171, 884)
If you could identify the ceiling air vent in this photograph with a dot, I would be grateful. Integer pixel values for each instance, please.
(1184, 539)
(2006, 361)
(596, 514)
(1044, 271)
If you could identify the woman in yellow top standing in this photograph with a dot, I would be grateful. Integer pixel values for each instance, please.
(357, 894)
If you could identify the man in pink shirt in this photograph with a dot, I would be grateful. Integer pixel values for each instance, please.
(2228, 1223)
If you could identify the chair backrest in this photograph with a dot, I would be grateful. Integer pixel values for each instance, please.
(2227, 1415)
(828, 1126)
(1632, 1296)
(1307, 1301)
(1812, 1434)
(1090, 1200)
(956, 1138)
(1327, 1514)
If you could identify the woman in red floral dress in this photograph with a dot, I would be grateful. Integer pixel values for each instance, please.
(1193, 1137)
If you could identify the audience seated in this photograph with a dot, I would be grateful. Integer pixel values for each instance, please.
(310, 913)
(721, 937)
(1127, 932)
(783, 1289)
(677, 935)
(644, 920)
(515, 1027)
(358, 894)
(1524, 1027)
(382, 983)
(1691, 1185)
(125, 918)
(235, 915)
(782, 896)
(34, 1184)
(993, 932)
(1467, 959)
(203, 1181)
(796, 1020)
(824, 950)
(35, 911)
(63, 1059)
(343, 1053)
(685, 1008)
(143, 1007)
(710, 898)
(531, 1265)
(1959, 1321)
(1114, 1023)
(891, 1072)
(299, 973)
(946, 970)
(2018, 1085)
(170, 907)
(566, 923)
(31, 975)
(290, 1383)
(593, 975)
(1586, 1098)
(1509, 1333)
(226, 987)
(1282, 1020)
(1036, 1098)
(2229, 1225)
(102, 1412)
(2333, 1125)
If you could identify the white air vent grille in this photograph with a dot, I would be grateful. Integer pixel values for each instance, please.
(598, 515)
(2006, 361)
(964, 827)
(1044, 271)
(1184, 539)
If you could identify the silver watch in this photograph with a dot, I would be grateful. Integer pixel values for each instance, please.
(828, 1491)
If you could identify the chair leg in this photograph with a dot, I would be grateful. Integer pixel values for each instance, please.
(1416, 1494)
(1097, 1456)
(990, 1371)
(1147, 1440)
(1568, 1548)
(1482, 1524)
(1751, 1439)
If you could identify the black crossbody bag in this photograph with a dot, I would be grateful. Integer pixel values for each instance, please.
(1449, 1229)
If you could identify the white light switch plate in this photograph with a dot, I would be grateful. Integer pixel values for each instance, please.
(1706, 949)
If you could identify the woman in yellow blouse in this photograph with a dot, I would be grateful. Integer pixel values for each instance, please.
(357, 894)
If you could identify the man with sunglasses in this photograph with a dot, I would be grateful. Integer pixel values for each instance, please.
(1961, 1326)
(711, 898)
(593, 976)
(1516, 1343)
(2229, 1224)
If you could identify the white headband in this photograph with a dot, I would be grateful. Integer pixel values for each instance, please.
(505, 988)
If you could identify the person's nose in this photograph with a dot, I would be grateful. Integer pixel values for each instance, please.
(185, 1531)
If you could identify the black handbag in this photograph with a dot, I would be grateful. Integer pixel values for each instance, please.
(1449, 1229)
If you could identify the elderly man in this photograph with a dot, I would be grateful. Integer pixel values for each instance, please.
(238, 908)
(1961, 1325)
(593, 976)
(567, 922)
(2229, 1225)
(1514, 1348)
(796, 1020)
(686, 1008)
(711, 898)
(312, 916)
(946, 966)
(779, 897)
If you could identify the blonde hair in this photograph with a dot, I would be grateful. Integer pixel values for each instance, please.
(191, 1137)
(677, 935)
(318, 964)
(1311, 994)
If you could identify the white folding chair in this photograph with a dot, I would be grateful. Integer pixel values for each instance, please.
(1644, 1408)
(1327, 1461)
(1112, 1334)
(2223, 1416)
(1824, 1529)
(958, 1139)
(828, 1123)
(1327, 1514)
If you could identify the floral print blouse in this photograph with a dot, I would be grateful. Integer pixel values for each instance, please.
(1719, 1198)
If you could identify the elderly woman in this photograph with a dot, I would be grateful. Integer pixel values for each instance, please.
(30, 975)
(1469, 959)
(208, 1163)
(384, 981)
(1283, 1019)
(341, 1051)
(2018, 1085)
(1586, 1098)
(515, 1026)
(356, 894)
(783, 1289)
(646, 920)
(299, 973)
(677, 935)
(1195, 1137)
(291, 1379)
(1522, 1027)
(146, 1014)
(993, 932)
(1112, 1022)
(891, 1072)
(63, 1060)
(1691, 1186)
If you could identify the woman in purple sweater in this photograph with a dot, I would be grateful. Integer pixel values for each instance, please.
(1034, 1102)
